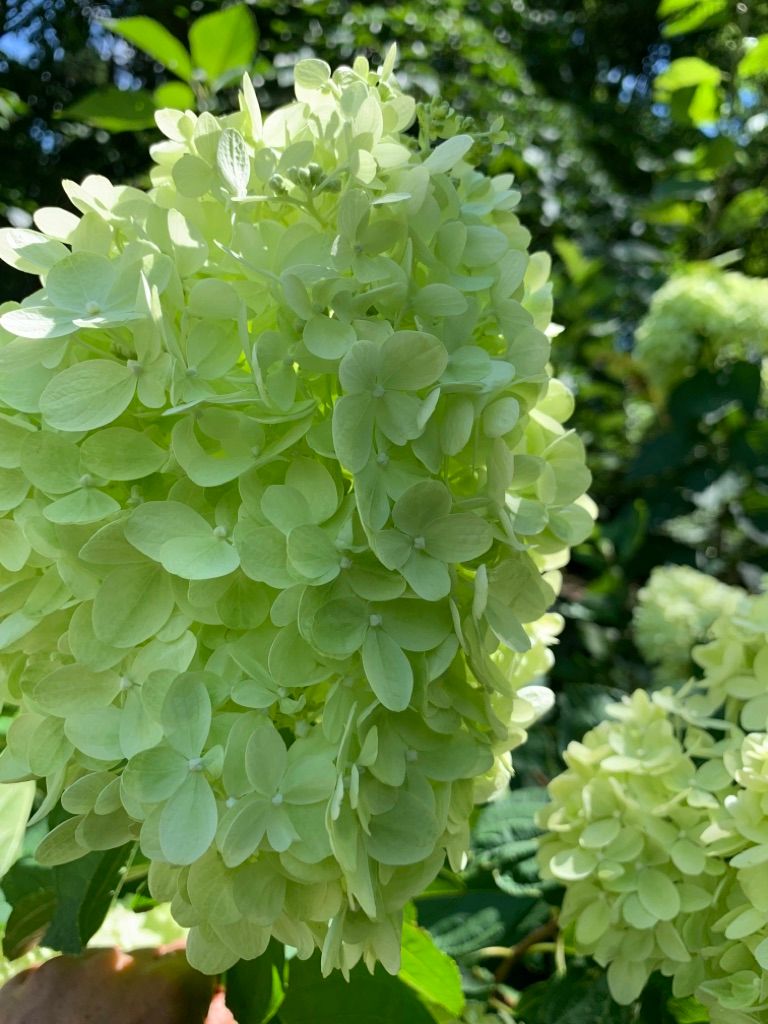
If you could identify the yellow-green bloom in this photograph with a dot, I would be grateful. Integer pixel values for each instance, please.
(285, 488)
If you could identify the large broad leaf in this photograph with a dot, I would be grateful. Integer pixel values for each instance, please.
(429, 971)
(29, 889)
(113, 109)
(580, 997)
(84, 891)
(683, 16)
(156, 41)
(374, 999)
(685, 73)
(756, 60)
(223, 43)
(60, 907)
(15, 805)
(255, 987)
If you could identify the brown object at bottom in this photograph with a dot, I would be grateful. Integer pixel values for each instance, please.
(108, 986)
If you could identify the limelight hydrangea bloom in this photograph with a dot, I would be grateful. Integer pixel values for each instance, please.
(674, 611)
(286, 490)
(706, 316)
(659, 830)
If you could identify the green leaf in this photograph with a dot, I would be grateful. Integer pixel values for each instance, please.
(84, 892)
(686, 72)
(388, 670)
(15, 805)
(223, 43)
(375, 999)
(254, 988)
(683, 16)
(156, 41)
(755, 61)
(429, 971)
(87, 395)
(133, 603)
(29, 890)
(579, 997)
(174, 96)
(115, 110)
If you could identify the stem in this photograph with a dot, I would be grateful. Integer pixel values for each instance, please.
(546, 931)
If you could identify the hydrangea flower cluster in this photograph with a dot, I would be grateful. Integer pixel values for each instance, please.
(674, 611)
(659, 830)
(285, 492)
(706, 315)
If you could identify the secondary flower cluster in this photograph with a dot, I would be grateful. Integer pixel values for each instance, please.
(659, 830)
(703, 317)
(674, 611)
(285, 492)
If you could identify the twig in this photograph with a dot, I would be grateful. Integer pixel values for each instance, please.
(514, 953)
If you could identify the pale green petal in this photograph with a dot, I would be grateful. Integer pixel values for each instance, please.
(388, 670)
(188, 821)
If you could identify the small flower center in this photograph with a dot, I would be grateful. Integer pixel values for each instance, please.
(195, 764)
(345, 563)
(375, 620)
(378, 391)
(92, 308)
(86, 480)
(411, 755)
(220, 532)
(419, 543)
(277, 799)
(383, 459)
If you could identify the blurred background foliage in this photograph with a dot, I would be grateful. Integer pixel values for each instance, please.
(639, 138)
